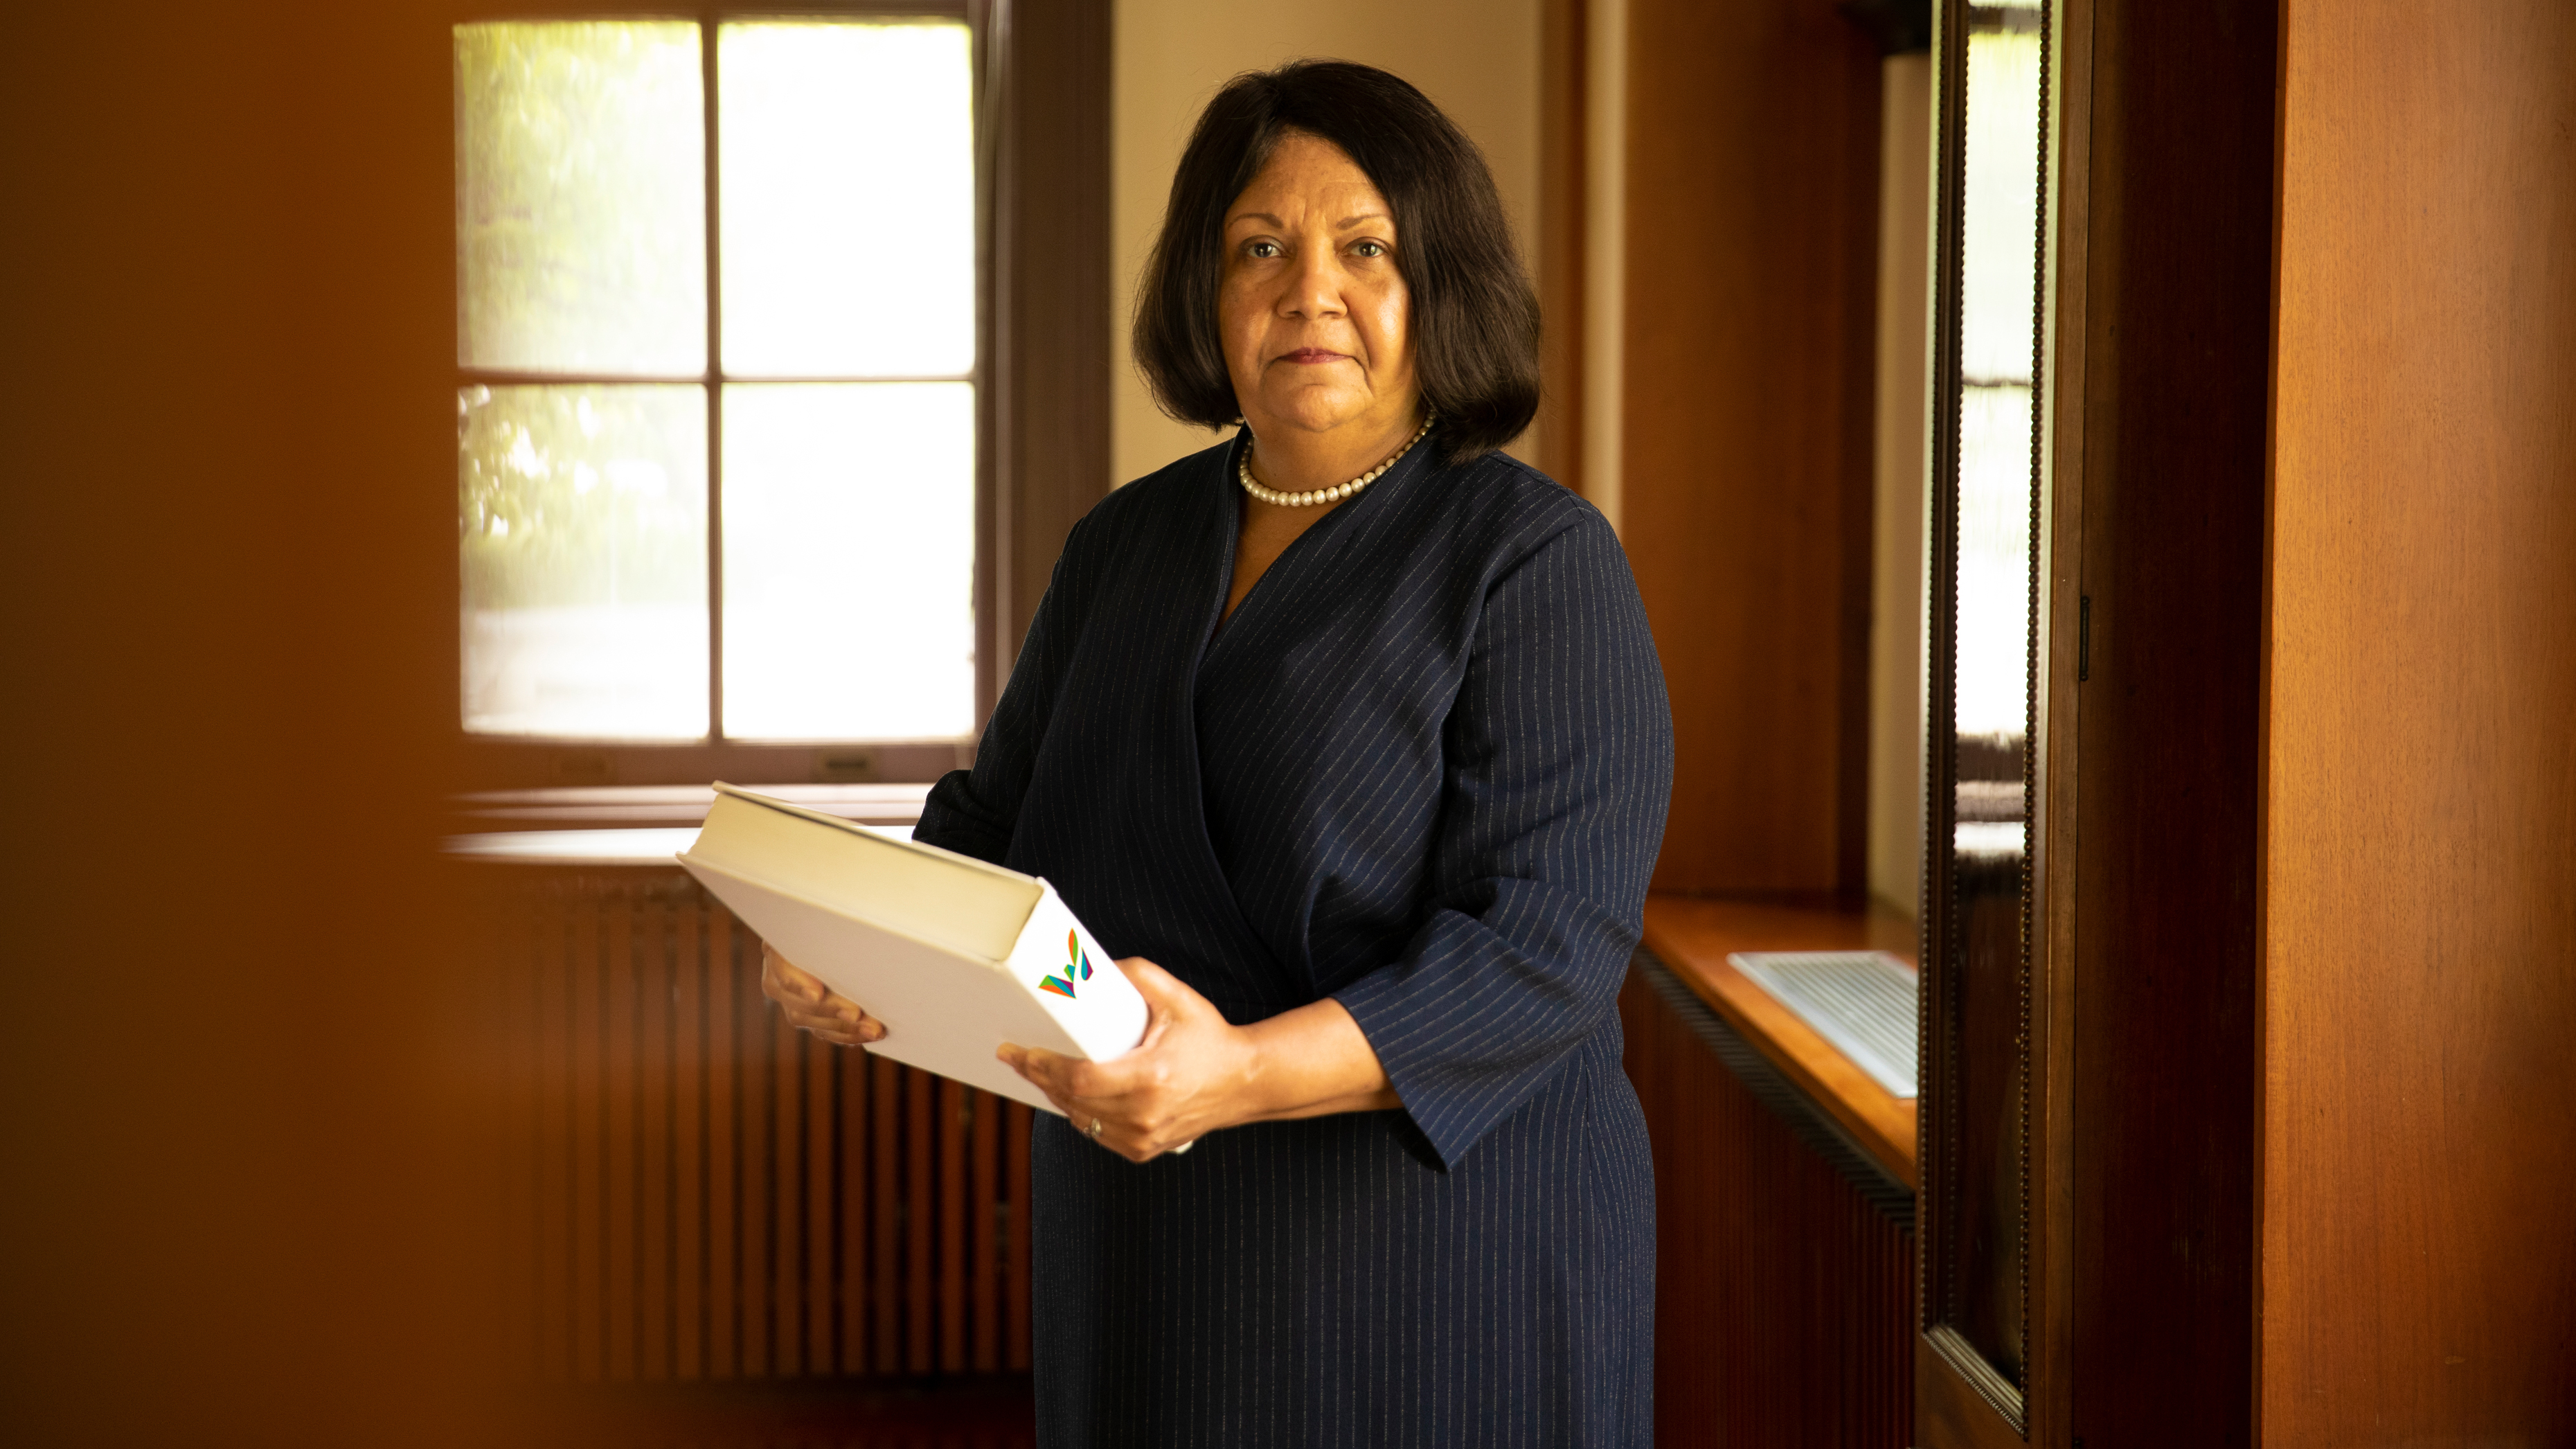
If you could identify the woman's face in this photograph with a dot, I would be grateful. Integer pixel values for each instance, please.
(1313, 311)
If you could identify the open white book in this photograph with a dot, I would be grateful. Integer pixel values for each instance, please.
(953, 955)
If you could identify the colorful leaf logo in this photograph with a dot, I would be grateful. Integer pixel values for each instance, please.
(1077, 967)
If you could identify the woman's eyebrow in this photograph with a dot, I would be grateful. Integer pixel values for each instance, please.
(1345, 224)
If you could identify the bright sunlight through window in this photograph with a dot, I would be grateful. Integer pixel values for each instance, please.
(732, 506)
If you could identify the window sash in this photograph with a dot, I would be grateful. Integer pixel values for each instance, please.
(545, 760)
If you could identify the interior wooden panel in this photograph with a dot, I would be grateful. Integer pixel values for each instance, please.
(2418, 1235)
(2175, 347)
(699, 1193)
(1783, 1296)
(1752, 263)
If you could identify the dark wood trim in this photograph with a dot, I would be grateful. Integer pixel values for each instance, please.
(1949, 1410)
(1935, 1382)
(1564, 50)
(2161, 438)
(645, 806)
(991, 20)
(490, 763)
(1051, 364)
(2057, 640)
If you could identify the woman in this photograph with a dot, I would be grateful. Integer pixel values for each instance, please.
(1348, 735)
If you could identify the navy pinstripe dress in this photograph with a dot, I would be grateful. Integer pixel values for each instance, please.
(1423, 769)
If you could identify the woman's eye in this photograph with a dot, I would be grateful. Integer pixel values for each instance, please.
(1261, 249)
(1370, 249)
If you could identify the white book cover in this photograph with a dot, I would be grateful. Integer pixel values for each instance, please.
(955, 956)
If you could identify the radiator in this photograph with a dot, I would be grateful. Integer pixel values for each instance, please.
(1784, 1268)
(698, 1193)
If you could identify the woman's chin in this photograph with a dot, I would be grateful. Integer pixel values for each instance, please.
(1309, 413)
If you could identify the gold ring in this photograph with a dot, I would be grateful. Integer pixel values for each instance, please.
(1094, 1133)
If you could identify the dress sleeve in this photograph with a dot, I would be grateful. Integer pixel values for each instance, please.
(975, 811)
(1559, 768)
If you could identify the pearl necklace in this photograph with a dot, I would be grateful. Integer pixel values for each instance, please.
(1243, 474)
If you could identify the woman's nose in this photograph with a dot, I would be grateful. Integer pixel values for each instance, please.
(1315, 289)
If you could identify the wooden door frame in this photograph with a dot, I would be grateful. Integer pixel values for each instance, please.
(1960, 1400)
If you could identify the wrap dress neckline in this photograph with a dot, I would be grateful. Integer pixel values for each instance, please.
(1295, 562)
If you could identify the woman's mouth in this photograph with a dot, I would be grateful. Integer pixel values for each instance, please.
(1313, 354)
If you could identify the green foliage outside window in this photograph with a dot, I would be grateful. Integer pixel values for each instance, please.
(576, 495)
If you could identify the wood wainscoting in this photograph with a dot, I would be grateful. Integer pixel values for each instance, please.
(698, 1193)
(1784, 1271)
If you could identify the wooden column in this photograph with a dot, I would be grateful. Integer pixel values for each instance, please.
(2418, 1237)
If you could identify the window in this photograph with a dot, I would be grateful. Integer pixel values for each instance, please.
(718, 364)
(1998, 304)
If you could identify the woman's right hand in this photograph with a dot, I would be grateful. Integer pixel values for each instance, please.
(812, 1006)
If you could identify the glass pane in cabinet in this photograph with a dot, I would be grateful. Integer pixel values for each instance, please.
(581, 198)
(582, 516)
(1993, 600)
(849, 198)
(1983, 1268)
(849, 547)
(2000, 205)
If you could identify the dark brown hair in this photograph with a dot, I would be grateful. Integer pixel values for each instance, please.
(1474, 316)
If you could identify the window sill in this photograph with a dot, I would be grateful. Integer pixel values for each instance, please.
(1693, 937)
(642, 825)
(630, 806)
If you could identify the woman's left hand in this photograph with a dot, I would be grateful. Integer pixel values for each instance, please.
(1191, 1075)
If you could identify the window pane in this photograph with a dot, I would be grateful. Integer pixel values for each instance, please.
(2000, 222)
(848, 199)
(1993, 619)
(581, 198)
(583, 517)
(849, 545)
